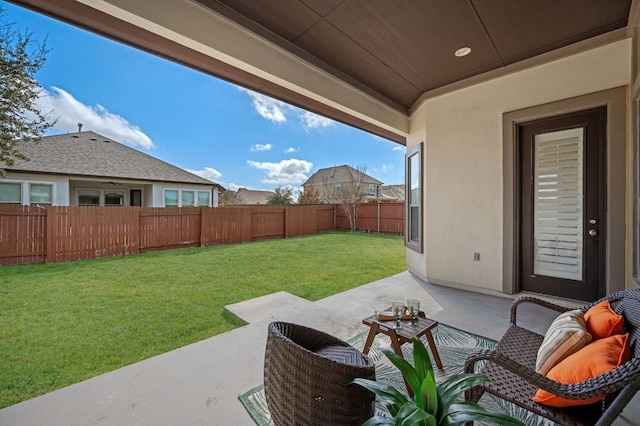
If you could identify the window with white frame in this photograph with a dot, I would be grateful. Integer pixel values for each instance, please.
(99, 197)
(88, 197)
(114, 198)
(413, 167)
(188, 199)
(204, 198)
(10, 193)
(40, 193)
(373, 189)
(171, 197)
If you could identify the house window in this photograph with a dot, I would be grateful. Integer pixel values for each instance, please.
(413, 166)
(188, 199)
(10, 193)
(88, 197)
(40, 194)
(337, 185)
(203, 198)
(171, 198)
(114, 198)
(372, 189)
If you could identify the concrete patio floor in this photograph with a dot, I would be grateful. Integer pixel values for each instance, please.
(199, 384)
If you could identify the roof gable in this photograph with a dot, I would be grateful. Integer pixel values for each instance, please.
(91, 154)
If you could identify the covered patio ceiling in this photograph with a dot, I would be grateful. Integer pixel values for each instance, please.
(367, 63)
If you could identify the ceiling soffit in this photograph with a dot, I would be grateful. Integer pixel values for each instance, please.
(402, 49)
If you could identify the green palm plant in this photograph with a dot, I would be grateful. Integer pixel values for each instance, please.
(433, 405)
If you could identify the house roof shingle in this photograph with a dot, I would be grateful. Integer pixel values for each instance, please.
(392, 192)
(91, 154)
(339, 174)
(250, 196)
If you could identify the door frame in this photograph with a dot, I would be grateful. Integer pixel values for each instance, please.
(616, 185)
(592, 124)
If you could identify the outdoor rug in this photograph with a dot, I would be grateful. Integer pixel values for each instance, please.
(453, 346)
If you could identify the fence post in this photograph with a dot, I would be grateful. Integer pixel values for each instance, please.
(284, 218)
(135, 231)
(50, 254)
(203, 243)
(335, 219)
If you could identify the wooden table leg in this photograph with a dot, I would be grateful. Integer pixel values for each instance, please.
(397, 348)
(434, 350)
(372, 334)
(395, 342)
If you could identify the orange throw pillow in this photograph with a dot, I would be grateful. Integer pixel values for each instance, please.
(602, 321)
(596, 358)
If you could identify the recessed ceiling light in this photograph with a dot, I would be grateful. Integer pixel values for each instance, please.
(463, 51)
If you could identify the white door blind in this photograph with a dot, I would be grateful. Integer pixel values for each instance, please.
(558, 204)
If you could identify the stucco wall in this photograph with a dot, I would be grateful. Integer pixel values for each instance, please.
(463, 138)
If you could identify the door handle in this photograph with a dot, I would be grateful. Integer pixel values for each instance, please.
(593, 232)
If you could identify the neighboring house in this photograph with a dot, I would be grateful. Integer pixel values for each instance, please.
(249, 196)
(392, 193)
(331, 180)
(88, 169)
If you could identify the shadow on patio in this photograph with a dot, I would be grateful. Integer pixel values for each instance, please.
(200, 383)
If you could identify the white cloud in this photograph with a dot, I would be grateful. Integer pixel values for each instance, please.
(399, 148)
(261, 147)
(269, 108)
(312, 121)
(61, 105)
(278, 112)
(286, 172)
(385, 168)
(291, 150)
(207, 173)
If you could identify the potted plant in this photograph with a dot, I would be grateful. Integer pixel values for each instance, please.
(433, 405)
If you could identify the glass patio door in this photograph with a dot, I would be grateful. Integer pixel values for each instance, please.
(562, 205)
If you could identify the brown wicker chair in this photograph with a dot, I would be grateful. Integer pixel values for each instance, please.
(511, 367)
(304, 372)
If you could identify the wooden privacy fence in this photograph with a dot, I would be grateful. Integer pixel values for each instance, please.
(383, 218)
(34, 234)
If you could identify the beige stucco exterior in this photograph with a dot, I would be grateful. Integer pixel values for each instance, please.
(463, 160)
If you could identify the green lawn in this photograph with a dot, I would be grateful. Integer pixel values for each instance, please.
(65, 322)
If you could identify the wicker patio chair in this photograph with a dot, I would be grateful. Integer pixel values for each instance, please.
(304, 372)
(511, 367)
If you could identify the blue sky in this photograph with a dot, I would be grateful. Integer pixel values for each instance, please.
(210, 127)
